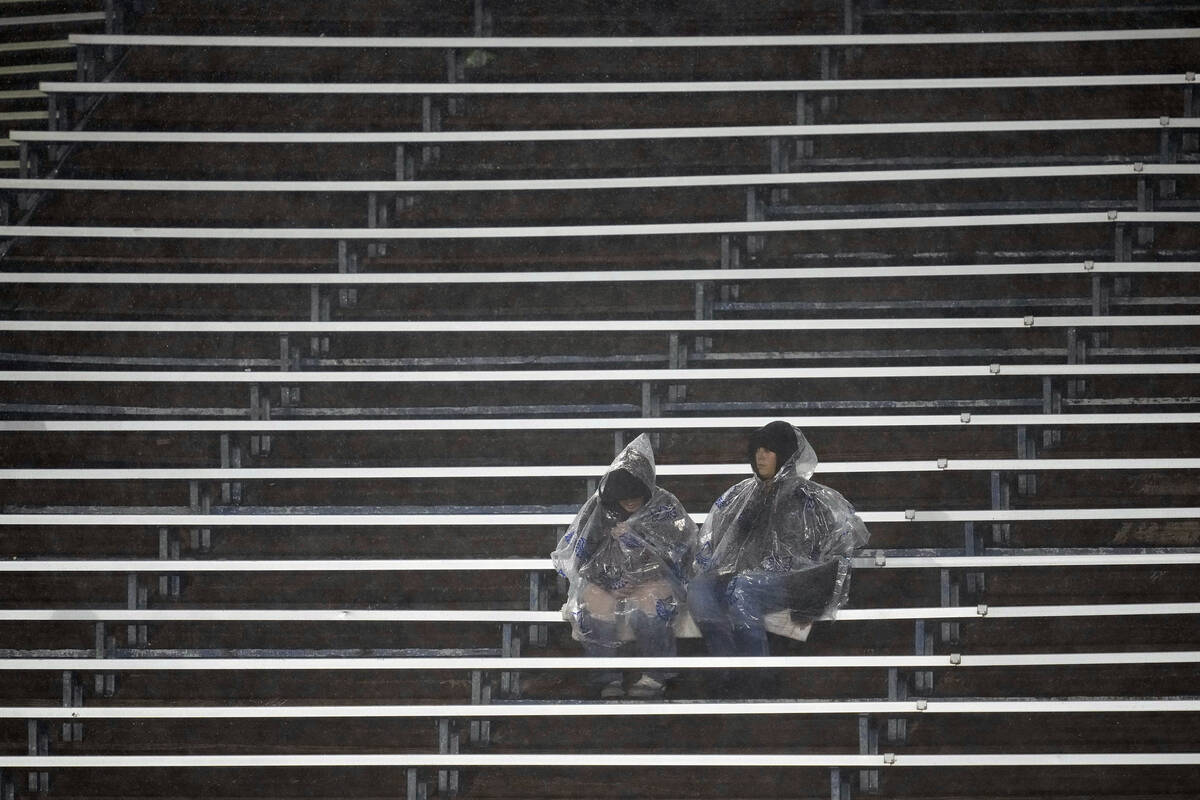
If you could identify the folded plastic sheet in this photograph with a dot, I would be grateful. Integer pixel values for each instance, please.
(788, 532)
(619, 563)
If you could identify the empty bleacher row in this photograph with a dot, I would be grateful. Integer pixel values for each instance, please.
(320, 325)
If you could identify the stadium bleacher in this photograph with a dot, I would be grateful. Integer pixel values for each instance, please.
(322, 320)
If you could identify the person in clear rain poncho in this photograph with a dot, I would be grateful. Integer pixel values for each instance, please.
(777, 541)
(625, 556)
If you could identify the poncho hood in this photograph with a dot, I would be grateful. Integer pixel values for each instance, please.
(650, 544)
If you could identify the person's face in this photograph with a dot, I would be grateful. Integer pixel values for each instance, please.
(632, 504)
(766, 463)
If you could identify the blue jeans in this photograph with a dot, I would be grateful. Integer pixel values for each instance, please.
(729, 610)
(654, 635)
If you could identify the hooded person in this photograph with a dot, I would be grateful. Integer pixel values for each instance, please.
(773, 542)
(625, 556)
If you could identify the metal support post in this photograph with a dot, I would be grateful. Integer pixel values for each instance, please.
(754, 213)
(168, 550)
(318, 311)
(480, 731)
(839, 786)
(702, 302)
(1001, 501)
(949, 597)
(260, 409)
(1026, 449)
(347, 264)
(922, 646)
(1051, 404)
(483, 20)
(406, 170)
(200, 502)
(973, 546)
(651, 402)
(431, 120)
(1145, 202)
(39, 745)
(731, 258)
(780, 163)
(897, 727)
(677, 358)
(539, 599)
(415, 789)
(455, 73)
(72, 696)
(137, 597)
(806, 114)
(231, 458)
(448, 743)
(1190, 142)
(868, 745)
(1076, 354)
(830, 70)
(106, 682)
(510, 647)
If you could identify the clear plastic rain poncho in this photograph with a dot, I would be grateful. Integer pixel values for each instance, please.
(785, 526)
(637, 560)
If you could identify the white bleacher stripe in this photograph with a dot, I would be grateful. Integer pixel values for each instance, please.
(591, 760)
(437, 663)
(596, 375)
(572, 231)
(598, 134)
(577, 184)
(623, 42)
(21, 94)
(599, 276)
(576, 88)
(51, 19)
(22, 116)
(538, 564)
(30, 69)
(488, 520)
(588, 423)
(44, 44)
(438, 615)
(675, 709)
(551, 471)
(589, 325)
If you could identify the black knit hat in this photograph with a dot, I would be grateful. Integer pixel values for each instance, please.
(779, 437)
(621, 485)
